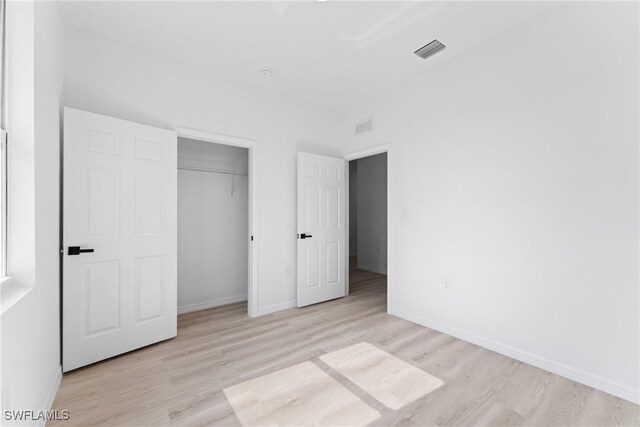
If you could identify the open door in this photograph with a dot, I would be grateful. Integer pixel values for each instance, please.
(119, 237)
(321, 228)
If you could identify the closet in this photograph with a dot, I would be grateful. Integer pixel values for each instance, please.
(213, 207)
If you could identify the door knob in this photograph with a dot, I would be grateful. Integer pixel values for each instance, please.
(305, 236)
(75, 250)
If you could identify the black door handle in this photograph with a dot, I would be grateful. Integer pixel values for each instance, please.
(305, 236)
(75, 250)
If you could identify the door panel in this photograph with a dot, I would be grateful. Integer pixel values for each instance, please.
(148, 205)
(149, 287)
(333, 262)
(321, 228)
(103, 195)
(101, 297)
(119, 199)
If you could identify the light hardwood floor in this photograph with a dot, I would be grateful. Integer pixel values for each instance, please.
(181, 381)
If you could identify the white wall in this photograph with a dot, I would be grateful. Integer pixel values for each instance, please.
(30, 328)
(213, 225)
(516, 165)
(49, 80)
(117, 80)
(372, 213)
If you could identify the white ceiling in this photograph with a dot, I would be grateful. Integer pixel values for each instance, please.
(333, 54)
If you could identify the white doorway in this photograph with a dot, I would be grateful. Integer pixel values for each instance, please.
(368, 213)
(213, 224)
(369, 216)
(217, 221)
(120, 234)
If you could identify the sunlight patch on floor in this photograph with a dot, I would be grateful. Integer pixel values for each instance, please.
(390, 380)
(302, 394)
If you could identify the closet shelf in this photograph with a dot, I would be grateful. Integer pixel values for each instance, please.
(223, 171)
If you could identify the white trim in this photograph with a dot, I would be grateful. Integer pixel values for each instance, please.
(366, 152)
(252, 146)
(51, 394)
(359, 154)
(210, 304)
(583, 377)
(277, 307)
(372, 269)
(220, 138)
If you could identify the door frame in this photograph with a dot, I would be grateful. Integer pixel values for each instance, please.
(359, 154)
(252, 146)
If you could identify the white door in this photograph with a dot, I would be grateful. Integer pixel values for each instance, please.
(321, 228)
(119, 237)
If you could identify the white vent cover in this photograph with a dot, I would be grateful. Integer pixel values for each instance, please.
(429, 49)
(364, 126)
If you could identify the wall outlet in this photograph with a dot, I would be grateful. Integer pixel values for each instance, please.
(446, 283)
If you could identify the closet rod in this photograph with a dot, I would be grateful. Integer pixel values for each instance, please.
(227, 172)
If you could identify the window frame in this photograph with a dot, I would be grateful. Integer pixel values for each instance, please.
(3, 142)
(3, 204)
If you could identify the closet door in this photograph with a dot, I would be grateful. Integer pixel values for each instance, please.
(119, 236)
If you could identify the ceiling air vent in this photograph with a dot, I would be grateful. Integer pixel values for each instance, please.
(364, 127)
(429, 49)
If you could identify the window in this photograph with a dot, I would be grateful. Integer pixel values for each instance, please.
(3, 203)
(3, 146)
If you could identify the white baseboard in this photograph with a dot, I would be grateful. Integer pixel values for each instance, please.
(595, 381)
(210, 304)
(372, 269)
(51, 393)
(276, 307)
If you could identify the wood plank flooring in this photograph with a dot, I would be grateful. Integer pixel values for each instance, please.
(180, 382)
